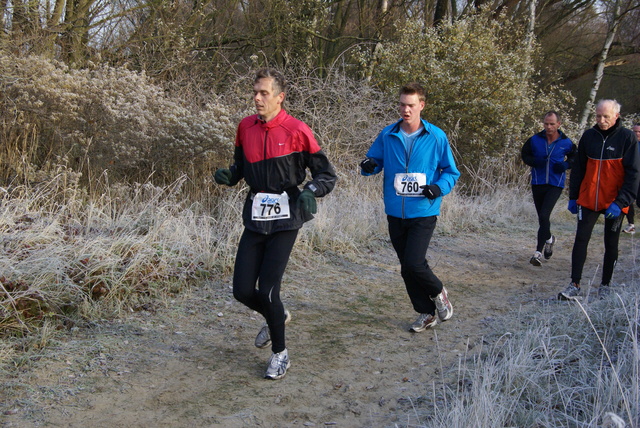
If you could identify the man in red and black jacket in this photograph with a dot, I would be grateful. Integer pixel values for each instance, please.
(604, 180)
(272, 153)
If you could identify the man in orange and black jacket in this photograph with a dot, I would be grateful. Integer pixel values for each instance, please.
(604, 180)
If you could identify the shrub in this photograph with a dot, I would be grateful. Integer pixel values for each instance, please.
(480, 76)
(103, 118)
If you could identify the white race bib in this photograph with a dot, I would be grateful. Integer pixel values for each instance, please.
(408, 184)
(270, 206)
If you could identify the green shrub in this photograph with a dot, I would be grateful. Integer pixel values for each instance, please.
(480, 76)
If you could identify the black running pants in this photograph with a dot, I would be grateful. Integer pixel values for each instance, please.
(631, 215)
(586, 222)
(410, 238)
(261, 260)
(545, 197)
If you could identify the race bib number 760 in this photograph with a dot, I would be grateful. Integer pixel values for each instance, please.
(270, 206)
(408, 184)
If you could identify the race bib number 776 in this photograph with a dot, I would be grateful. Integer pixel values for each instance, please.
(408, 184)
(270, 206)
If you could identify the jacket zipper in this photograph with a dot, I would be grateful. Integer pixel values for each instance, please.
(553, 143)
(264, 158)
(604, 141)
(407, 158)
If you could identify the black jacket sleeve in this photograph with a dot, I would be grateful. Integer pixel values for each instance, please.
(572, 155)
(237, 170)
(577, 170)
(631, 162)
(322, 173)
(527, 154)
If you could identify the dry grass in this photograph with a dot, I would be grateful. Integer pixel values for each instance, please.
(69, 258)
(574, 366)
(71, 254)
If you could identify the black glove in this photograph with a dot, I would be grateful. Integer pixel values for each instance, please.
(368, 165)
(431, 191)
(223, 176)
(560, 167)
(307, 200)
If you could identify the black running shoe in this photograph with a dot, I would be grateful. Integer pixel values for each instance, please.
(535, 260)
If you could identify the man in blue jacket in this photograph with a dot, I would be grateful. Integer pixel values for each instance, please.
(419, 170)
(550, 154)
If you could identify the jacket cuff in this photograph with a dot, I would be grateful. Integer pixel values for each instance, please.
(312, 187)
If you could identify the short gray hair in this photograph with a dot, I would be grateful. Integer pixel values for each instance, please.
(614, 104)
(553, 113)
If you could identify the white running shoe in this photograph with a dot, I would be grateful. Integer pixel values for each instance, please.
(569, 293)
(444, 306)
(630, 229)
(604, 291)
(278, 365)
(536, 260)
(548, 248)
(423, 322)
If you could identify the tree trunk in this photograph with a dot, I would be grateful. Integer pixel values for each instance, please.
(428, 9)
(532, 24)
(611, 32)
(54, 22)
(442, 12)
(384, 7)
(4, 4)
(76, 35)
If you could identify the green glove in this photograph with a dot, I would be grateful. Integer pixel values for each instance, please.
(307, 200)
(223, 176)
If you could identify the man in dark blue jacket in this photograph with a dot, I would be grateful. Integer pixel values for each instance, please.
(550, 154)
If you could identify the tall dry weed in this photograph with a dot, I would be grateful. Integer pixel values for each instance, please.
(68, 257)
(72, 253)
(576, 367)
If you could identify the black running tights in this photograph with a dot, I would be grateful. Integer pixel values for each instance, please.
(262, 259)
(545, 197)
(586, 221)
(410, 238)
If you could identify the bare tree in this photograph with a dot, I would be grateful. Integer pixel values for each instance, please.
(60, 29)
(614, 23)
